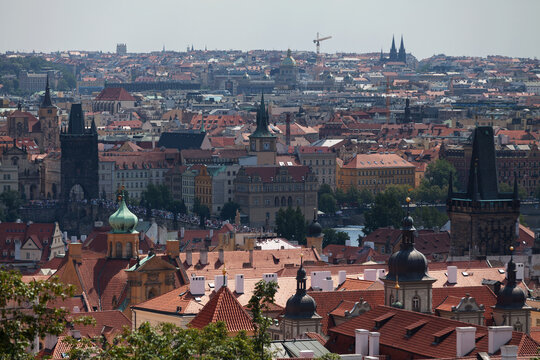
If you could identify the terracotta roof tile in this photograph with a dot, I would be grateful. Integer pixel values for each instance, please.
(223, 307)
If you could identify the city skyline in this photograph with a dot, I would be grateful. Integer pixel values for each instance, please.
(468, 29)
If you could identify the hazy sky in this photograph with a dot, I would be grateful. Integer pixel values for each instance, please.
(456, 27)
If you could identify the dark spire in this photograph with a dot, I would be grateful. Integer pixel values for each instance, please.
(516, 192)
(511, 269)
(76, 120)
(450, 187)
(47, 98)
(483, 163)
(262, 121)
(407, 228)
(407, 116)
(93, 127)
(301, 278)
(402, 56)
(393, 51)
(475, 194)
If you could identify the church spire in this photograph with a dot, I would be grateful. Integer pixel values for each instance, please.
(76, 120)
(47, 98)
(262, 121)
(402, 56)
(393, 51)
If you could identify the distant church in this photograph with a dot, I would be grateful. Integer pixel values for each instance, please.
(395, 56)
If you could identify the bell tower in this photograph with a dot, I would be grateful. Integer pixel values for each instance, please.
(48, 118)
(123, 240)
(262, 142)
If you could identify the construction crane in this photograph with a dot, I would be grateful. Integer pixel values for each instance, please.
(317, 42)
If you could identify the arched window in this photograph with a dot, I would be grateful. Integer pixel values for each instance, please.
(391, 299)
(118, 250)
(416, 303)
(289, 201)
(283, 201)
(276, 201)
(152, 293)
(129, 250)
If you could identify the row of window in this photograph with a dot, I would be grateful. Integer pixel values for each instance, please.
(383, 181)
(378, 172)
(317, 162)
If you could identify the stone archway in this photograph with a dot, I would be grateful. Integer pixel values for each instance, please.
(76, 193)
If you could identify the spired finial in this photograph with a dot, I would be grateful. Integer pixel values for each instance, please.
(314, 214)
(397, 282)
(408, 200)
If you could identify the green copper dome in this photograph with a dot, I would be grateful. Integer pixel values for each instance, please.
(123, 221)
(289, 60)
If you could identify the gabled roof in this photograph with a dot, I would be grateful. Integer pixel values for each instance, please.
(181, 140)
(223, 307)
(114, 94)
(421, 344)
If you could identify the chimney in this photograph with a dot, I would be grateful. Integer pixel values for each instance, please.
(182, 231)
(465, 340)
(327, 284)
(65, 235)
(239, 284)
(288, 130)
(307, 354)
(203, 257)
(173, 248)
(73, 238)
(189, 257)
(219, 281)
(509, 352)
(520, 271)
(497, 337)
(374, 343)
(221, 255)
(380, 273)
(342, 276)
(451, 273)
(361, 341)
(196, 285)
(76, 309)
(75, 250)
(270, 277)
(207, 243)
(251, 257)
(370, 274)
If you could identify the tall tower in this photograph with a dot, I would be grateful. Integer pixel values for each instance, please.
(262, 142)
(483, 220)
(79, 165)
(408, 284)
(511, 308)
(393, 51)
(402, 56)
(123, 240)
(48, 118)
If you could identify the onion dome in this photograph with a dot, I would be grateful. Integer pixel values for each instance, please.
(407, 264)
(314, 229)
(300, 305)
(289, 60)
(123, 221)
(511, 296)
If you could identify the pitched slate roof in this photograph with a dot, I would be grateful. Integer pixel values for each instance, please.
(181, 140)
(223, 307)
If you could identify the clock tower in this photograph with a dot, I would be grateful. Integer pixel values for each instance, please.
(262, 142)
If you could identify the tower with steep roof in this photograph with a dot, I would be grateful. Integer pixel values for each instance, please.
(408, 284)
(402, 56)
(79, 164)
(483, 219)
(393, 51)
(262, 143)
(49, 122)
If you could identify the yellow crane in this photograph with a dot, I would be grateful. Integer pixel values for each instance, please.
(319, 67)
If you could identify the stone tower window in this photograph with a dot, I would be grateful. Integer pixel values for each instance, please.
(416, 303)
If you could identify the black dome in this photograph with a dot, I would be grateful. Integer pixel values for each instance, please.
(408, 264)
(314, 229)
(510, 297)
(300, 305)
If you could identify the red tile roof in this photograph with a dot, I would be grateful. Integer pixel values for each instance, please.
(223, 307)
(114, 94)
(422, 343)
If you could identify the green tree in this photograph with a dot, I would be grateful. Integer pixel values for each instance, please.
(429, 217)
(341, 197)
(438, 173)
(332, 236)
(507, 188)
(228, 212)
(156, 197)
(262, 297)
(365, 197)
(385, 211)
(25, 314)
(352, 196)
(202, 211)
(291, 224)
(327, 203)
(325, 189)
(177, 207)
(11, 202)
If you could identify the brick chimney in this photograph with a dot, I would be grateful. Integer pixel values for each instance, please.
(189, 257)
(75, 251)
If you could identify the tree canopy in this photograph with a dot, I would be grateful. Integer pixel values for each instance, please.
(332, 236)
(291, 224)
(228, 212)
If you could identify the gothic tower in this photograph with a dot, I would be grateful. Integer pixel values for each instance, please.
(79, 165)
(402, 56)
(48, 118)
(262, 142)
(393, 51)
(482, 219)
(408, 284)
